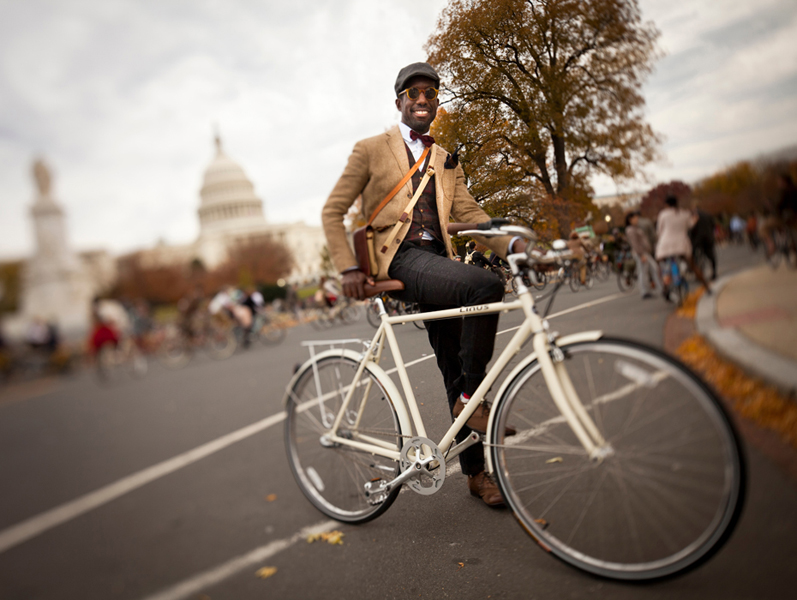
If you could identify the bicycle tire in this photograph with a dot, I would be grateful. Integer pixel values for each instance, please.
(626, 278)
(682, 293)
(174, 351)
(333, 478)
(350, 314)
(220, 342)
(137, 362)
(412, 308)
(572, 280)
(372, 314)
(539, 281)
(773, 259)
(109, 364)
(270, 334)
(667, 498)
(790, 249)
(602, 271)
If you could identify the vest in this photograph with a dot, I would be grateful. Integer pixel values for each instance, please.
(424, 215)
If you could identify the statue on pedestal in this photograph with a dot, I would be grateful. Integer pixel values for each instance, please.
(42, 176)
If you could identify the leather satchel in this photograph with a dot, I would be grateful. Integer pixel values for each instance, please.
(363, 237)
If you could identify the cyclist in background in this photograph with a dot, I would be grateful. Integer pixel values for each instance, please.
(785, 212)
(474, 257)
(673, 230)
(580, 254)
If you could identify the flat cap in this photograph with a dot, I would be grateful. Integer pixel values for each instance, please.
(419, 69)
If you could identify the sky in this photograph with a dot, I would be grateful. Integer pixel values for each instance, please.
(121, 98)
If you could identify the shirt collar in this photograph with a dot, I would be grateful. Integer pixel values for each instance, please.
(405, 133)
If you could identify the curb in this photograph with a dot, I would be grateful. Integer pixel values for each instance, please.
(734, 346)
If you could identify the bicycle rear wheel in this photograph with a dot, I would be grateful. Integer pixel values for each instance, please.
(331, 476)
(220, 342)
(270, 333)
(602, 271)
(667, 495)
(626, 278)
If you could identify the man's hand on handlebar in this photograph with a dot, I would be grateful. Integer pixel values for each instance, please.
(353, 283)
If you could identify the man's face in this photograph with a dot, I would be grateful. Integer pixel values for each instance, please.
(418, 114)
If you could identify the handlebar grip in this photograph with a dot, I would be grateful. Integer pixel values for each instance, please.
(493, 223)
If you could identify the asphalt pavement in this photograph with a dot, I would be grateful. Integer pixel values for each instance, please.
(177, 486)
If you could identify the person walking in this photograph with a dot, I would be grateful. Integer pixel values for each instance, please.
(420, 253)
(646, 266)
(702, 238)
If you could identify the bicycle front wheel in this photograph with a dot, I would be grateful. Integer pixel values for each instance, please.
(602, 271)
(667, 492)
(573, 280)
(330, 475)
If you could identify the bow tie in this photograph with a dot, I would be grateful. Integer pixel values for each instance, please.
(427, 140)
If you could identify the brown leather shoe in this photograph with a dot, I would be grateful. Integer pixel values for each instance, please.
(478, 420)
(483, 486)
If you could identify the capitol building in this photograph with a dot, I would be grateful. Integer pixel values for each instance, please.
(57, 283)
(230, 213)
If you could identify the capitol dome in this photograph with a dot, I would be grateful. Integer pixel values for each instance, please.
(228, 200)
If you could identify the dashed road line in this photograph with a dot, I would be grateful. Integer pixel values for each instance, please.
(204, 580)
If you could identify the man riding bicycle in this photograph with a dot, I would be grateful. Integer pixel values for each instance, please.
(420, 253)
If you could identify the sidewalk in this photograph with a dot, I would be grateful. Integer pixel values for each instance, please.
(751, 319)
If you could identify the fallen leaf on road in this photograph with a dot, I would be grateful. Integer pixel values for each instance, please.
(266, 572)
(554, 460)
(330, 537)
(460, 566)
(271, 497)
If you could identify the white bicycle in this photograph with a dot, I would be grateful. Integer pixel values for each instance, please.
(624, 463)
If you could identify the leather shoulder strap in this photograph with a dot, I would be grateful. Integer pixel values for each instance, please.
(400, 185)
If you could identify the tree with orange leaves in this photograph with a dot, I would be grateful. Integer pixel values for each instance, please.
(541, 95)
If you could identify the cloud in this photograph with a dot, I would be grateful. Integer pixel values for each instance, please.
(120, 98)
(727, 88)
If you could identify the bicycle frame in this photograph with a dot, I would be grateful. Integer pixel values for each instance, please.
(546, 352)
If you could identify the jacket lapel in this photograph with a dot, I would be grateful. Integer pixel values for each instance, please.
(444, 186)
(396, 144)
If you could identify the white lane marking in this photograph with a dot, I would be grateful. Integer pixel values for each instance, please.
(42, 522)
(206, 579)
(47, 520)
(574, 309)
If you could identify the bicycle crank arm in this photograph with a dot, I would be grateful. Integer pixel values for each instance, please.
(418, 467)
(473, 438)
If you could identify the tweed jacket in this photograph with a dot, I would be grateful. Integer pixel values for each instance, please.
(375, 166)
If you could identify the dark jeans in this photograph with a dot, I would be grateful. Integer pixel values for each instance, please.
(463, 346)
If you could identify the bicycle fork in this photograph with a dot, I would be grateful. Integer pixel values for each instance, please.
(552, 365)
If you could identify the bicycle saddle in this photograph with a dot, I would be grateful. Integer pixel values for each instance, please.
(379, 287)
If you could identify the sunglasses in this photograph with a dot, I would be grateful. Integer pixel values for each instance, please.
(414, 93)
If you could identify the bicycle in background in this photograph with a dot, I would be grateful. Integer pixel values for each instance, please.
(673, 276)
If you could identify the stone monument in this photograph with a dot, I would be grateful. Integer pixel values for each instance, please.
(55, 284)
